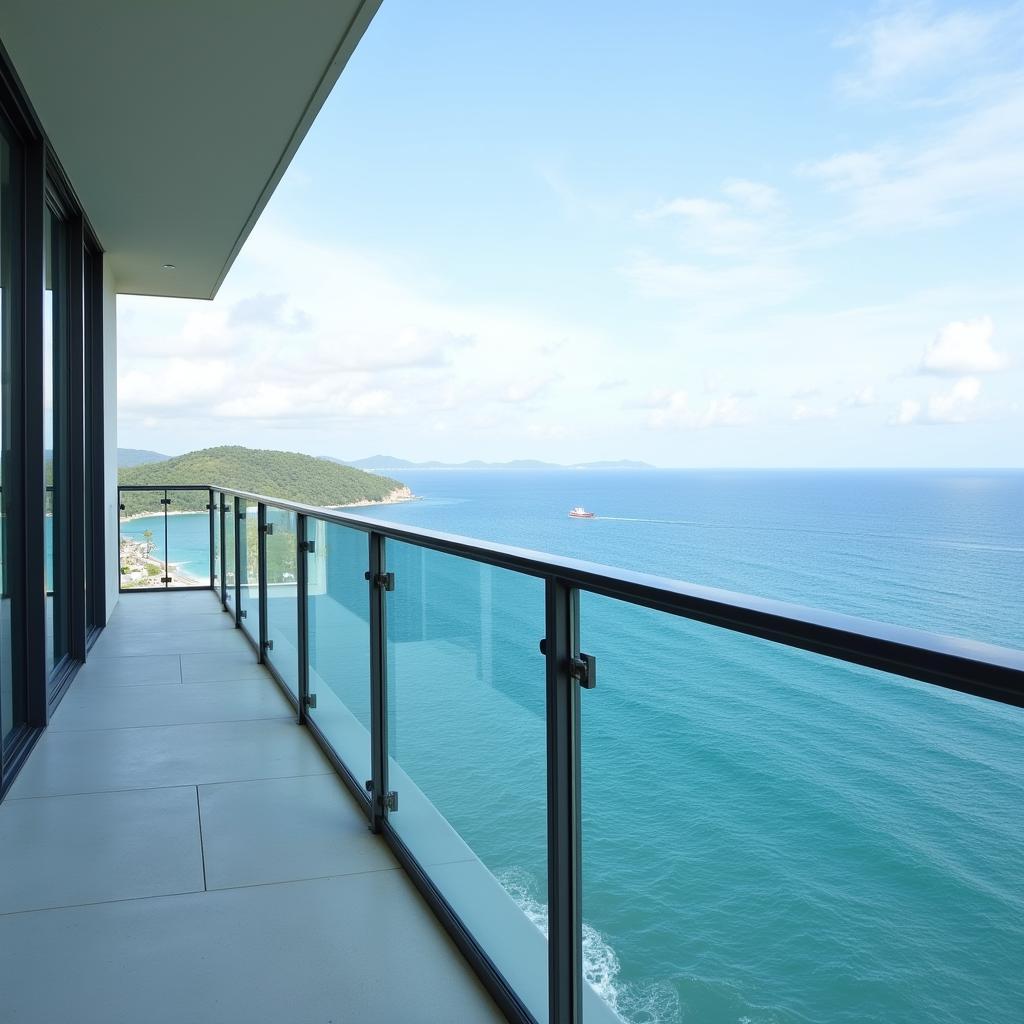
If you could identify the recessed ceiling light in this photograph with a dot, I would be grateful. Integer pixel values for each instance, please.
(168, 266)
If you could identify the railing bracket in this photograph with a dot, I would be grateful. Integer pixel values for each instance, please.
(243, 614)
(309, 546)
(165, 501)
(583, 669)
(384, 580)
(268, 528)
(166, 579)
(268, 645)
(310, 700)
(391, 800)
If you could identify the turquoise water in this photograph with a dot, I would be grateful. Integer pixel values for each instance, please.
(188, 540)
(769, 837)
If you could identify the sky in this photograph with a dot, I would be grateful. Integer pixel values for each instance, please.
(739, 234)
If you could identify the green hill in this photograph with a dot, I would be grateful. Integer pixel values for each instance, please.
(286, 475)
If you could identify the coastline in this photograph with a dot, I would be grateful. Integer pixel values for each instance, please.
(396, 497)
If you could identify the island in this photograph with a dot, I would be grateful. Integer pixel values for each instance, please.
(287, 475)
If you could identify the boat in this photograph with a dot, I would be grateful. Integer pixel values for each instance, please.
(579, 512)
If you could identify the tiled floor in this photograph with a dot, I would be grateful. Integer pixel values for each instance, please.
(178, 850)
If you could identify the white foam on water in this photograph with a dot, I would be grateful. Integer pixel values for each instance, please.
(655, 1003)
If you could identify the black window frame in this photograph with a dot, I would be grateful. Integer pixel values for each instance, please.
(43, 181)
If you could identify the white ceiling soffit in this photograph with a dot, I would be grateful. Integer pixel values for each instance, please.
(176, 120)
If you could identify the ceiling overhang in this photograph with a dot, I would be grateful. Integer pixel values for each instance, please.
(175, 121)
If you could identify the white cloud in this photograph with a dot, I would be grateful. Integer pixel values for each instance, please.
(672, 408)
(863, 398)
(964, 347)
(753, 194)
(908, 412)
(719, 289)
(953, 406)
(913, 41)
(859, 169)
(339, 338)
(974, 160)
(744, 220)
(803, 412)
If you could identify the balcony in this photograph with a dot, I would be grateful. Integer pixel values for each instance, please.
(183, 847)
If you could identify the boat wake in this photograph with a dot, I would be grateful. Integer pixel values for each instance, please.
(632, 1003)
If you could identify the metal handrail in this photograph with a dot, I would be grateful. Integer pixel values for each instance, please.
(956, 663)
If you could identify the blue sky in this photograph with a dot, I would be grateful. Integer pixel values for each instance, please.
(747, 235)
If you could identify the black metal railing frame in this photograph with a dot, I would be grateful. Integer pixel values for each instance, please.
(972, 667)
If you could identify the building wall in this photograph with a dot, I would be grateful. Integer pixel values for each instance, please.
(110, 434)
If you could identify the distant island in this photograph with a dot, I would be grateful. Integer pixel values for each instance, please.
(377, 463)
(288, 475)
(137, 457)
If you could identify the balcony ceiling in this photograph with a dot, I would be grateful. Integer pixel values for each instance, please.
(176, 121)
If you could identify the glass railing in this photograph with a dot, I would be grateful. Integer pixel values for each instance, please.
(633, 799)
(166, 539)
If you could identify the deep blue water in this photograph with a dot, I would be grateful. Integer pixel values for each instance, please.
(768, 836)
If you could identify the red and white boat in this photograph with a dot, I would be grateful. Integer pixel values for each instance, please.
(579, 512)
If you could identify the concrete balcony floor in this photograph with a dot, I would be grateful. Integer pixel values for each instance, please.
(177, 849)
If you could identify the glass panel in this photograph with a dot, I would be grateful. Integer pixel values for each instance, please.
(12, 691)
(230, 530)
(55, 411)
(282, 596)
(142, 540)
(249, 593)
(339, 641)
(467, 742)
(188, 538)
(773, 836)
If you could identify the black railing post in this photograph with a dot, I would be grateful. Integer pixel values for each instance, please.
(378, 682)
(261, 575)
(565, 913)
(213, 543)
(167, 551)
(120, 509)
(222, 509)
(236, 529)
(302, 596)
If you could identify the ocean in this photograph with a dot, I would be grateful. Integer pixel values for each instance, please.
(769, 837)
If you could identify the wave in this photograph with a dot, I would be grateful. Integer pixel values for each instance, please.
(632, 1002)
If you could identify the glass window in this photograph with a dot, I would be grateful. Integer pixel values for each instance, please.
(55, 412)
(12, 692)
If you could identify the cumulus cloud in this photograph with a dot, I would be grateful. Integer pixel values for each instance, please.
(338, 340)
(963, 347)
(953, 406)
